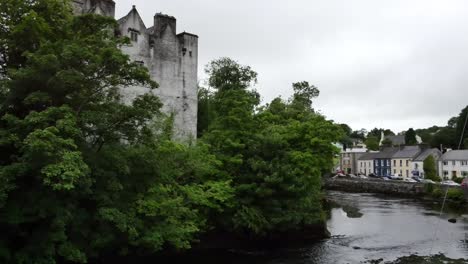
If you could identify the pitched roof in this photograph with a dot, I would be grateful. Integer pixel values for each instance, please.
(423, 155)
(408, 152)
(386, 153)
(368, 156)
(397, 140)
(354, 150)
(133, 11)
(456, 155)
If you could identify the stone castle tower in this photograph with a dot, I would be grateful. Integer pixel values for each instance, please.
(171, 58)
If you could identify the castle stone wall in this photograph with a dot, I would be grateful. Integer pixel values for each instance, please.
(171, 58)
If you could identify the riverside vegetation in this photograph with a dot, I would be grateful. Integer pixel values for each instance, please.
(83, 175)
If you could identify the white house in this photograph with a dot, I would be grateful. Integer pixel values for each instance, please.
(366, 163)
(418, 162)
(453, 164)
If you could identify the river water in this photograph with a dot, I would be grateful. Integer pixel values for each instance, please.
(367, 227)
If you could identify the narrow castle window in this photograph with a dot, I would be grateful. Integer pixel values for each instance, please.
(190, 53)
(134, 36)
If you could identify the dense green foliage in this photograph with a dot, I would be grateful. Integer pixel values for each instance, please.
(430, 169)
(410, 137)
(372, 143)
(275, 154)
(83, 175)
(377, 132)
(450, 136)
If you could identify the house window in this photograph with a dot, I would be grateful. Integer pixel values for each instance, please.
(394, 172)
(401, 163)
(394, 163)
(464, 162)
(445, 162)
(407, 173)
(376, 163)
(454, 162)
(445, 173)
(407, 163)
(464, 173)
(388, 162)
(382, 162)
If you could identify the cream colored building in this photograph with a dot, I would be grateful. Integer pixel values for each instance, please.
(349, 159)
(402, 161)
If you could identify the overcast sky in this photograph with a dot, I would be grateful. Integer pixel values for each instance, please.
(392, 64)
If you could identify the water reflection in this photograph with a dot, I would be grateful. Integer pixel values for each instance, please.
(366, 227)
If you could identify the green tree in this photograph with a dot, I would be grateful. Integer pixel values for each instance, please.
(376, 132)
(447, 137)
(387, 142)
(410, 137)
(275, 154)
(462, 127)
(359, 134)
(430, 169)
(206, 113)
(346, 129)
(372, 143)
(81, 173)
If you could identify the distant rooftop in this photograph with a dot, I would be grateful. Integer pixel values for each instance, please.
(386, 153)
(408, 152)
(456, 155)
(397, 140)
(423, 155)
(368, 156)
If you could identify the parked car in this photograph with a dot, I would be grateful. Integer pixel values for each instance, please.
(416, 179)
(428, 181)
(352, 176)
(450, 183)
(464, 183)
(362, 176)
(409, 180)
(372, 175)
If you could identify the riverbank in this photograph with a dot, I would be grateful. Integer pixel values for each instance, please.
(364, 228)
(398, 188)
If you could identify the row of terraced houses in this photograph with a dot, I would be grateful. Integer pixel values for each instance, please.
(406, 161)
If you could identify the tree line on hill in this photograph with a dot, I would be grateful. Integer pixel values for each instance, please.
(83, 175)
(454, 135)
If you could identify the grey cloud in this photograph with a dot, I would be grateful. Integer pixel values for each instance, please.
(394, 64)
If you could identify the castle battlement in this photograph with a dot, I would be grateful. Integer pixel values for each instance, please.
(171, 58)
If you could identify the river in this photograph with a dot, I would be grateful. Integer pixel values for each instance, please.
(364, 227)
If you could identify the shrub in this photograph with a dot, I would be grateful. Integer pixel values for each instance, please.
(456, 195)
